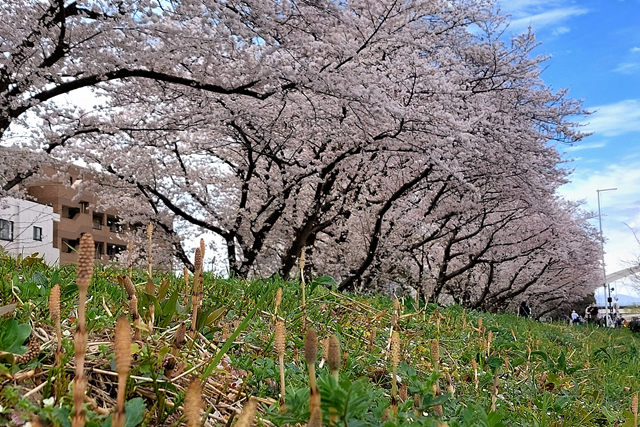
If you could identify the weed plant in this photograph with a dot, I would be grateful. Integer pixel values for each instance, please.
(453, 367)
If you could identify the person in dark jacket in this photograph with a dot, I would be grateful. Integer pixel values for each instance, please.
(525, 310)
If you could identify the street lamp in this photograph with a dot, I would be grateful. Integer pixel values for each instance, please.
(607, 287)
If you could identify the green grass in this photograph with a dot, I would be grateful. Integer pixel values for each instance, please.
(549, 374)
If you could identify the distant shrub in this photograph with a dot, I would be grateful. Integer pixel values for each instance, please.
(634, 326)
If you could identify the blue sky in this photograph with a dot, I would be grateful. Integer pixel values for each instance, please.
(594, 49)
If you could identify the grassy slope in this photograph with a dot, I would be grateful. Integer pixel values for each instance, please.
(548, 374)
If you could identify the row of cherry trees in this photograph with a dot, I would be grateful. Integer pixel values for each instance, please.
(398, 142)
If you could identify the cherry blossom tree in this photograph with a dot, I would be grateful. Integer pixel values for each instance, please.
(388, 139)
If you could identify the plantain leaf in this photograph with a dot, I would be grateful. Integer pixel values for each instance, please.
(164, 288)
(215, 315)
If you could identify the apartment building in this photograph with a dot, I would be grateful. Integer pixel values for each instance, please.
(27, 227)
(78, 215)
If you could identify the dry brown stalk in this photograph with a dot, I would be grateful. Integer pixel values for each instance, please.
(280, 347)
(130, 256)
(135, 318)
(438, 410)
(277, 303)
(310, 355)
(179, 339)
(489, 339)
(201, 281)
(33, 349)
(302, 283)
(150, 289)
(474, 365)
(248, 413)
(334, 357)
(436, 392)
(185, 275)
(128, 285)
(54, 313)
(193, 403)
(122, 350)
(479, 325)
(403, 392)
(450, 388)
(395, 360)
(417, 404)
(438, 318)
(634, 409)
(543, 379)
(84, 273)
(197, 265)
(396, 313)
(372, 338)
(325, 351)
(435, 354)
(315, 420)
(149, 251)
(494, 391)
(195, 289)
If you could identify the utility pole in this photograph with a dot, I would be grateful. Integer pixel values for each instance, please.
(607, 287)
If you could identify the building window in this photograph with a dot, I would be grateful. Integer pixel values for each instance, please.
(113, 250)
(98, 220)
(37, 233)
(69, 212)
(69, 246)
(114, 225)
(99, 250)
(6, 230)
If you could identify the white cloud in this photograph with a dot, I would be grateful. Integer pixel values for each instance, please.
(590, 146)
(547, 18)
(627, 68)
(618, 207)
(615, 119)
(561, 30)
(635, 49)
(519, 7)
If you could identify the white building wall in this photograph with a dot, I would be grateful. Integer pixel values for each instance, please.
(26, 215)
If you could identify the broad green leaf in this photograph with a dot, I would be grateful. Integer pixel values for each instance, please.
(495, 362)
(164, 288)
(215, 315)
(134, 412)
(12, 335)
(61, 416)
